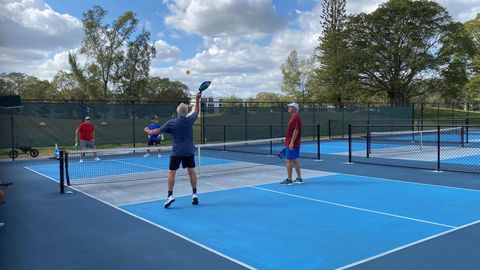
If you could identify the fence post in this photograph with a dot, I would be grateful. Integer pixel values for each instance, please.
(133, 123)
(329, 129)
(467, 130)
(438, 113)
(349, 143)
(246, 120)
(271, 143)
(421, 116)
(438, 148)
(318, 141)
(12, 126)
(343, 121)
(224, 137)
(368, 141)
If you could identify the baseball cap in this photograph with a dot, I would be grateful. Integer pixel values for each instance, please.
(293, 104)
(88, 118)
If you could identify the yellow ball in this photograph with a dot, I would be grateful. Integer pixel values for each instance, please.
(187, 71)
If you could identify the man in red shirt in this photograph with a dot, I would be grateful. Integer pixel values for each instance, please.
(85, 132)
(292, 145)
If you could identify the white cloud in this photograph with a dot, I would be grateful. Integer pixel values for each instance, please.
(34, 38)
(251, 18)
(165, 51)
(241, 67)
(34, 25)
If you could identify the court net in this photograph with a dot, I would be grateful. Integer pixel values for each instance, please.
(453, 148)
(146, 163)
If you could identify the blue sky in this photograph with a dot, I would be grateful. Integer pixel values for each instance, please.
(238, 44)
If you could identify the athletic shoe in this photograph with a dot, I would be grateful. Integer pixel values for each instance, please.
(146, 155)
(159, 155)
(286, 182)
(194, 199)
(2, 224)
(298, 181)
(169, 201)
(81, 160)
(97, 159)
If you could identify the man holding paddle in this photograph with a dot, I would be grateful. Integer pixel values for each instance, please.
(183, 149)
(292, 145)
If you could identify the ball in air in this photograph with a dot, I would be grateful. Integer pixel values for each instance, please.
(187, 71)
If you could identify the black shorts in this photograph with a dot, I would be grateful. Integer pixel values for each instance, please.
(187, 162)
(150, 142)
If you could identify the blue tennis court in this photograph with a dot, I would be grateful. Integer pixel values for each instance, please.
(328, 222)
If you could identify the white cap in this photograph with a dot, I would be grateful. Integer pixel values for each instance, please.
(88, 118)
(293, 104)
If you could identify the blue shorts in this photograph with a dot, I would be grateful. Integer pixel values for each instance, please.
(90, 144)
(292, 154)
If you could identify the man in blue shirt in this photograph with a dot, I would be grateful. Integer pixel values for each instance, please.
(183, 149)
(153, 139)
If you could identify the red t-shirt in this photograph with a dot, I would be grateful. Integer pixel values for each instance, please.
(294, 123)
(85, 131)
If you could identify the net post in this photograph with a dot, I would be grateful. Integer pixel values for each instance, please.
(438, 148)
(62, 172)
(203, 119)
(66, 162)
(349, 143)
(462, 136)
(318, 141)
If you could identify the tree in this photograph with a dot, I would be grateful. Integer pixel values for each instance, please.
(105, 46)
(28, 87)
(333, 80)
(10, 83)
(398, 45)
(88, 83)
(472, 88)
(68, 87)
(291, 82)
(134, 71)
(232, 101)
(162, 89)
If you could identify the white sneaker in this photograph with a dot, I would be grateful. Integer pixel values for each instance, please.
(97, 159)
(146, 155)
(194, 199)
(159, 155)
(169, 201)
(81, 160)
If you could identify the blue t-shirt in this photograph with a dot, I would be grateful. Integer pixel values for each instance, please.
(182, 131)
(153, 137)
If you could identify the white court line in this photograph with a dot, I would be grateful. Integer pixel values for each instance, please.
(411, 183)
(355, 208)
(154, 224)
(407, 245)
